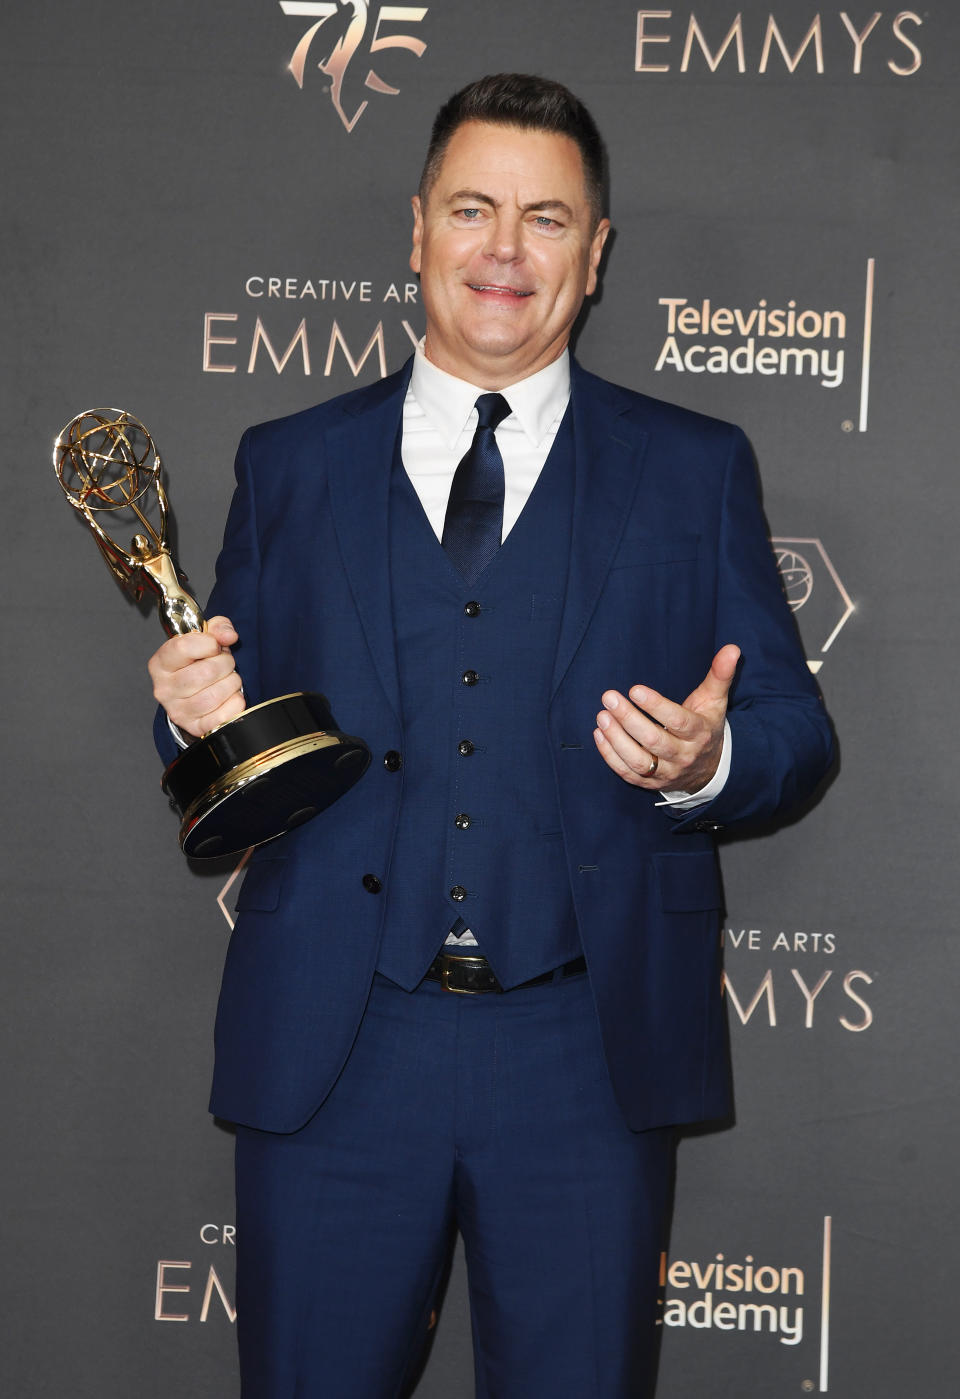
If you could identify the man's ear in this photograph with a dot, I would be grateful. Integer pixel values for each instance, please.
(417, 233)
(596, 253)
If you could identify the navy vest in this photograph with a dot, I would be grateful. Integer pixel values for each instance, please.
(479, 834)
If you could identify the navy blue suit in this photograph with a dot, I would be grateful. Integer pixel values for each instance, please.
(669, 560)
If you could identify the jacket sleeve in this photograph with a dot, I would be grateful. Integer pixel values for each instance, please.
(783, 742)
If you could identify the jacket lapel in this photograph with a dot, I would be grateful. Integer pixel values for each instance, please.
(360, 446)
(609, 448)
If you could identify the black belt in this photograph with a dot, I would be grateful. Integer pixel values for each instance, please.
(473, 976)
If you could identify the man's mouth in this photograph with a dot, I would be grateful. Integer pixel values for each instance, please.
(497, 289)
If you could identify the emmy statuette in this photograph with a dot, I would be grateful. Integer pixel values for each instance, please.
(278, 763)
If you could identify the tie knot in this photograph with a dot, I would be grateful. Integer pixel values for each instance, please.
(492, 408)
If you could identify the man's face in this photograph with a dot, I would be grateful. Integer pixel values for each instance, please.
(506, 250)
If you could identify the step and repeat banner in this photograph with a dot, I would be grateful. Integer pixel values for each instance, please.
(206, 222)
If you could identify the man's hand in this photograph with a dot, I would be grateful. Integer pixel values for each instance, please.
(195, 678)
(667, 747)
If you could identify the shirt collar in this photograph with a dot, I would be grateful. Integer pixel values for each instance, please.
(537, 402)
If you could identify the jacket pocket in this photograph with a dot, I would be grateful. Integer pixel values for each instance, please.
(642, 550)
(261, 886)
(689, 880)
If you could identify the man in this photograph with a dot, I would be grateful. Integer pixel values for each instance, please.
(561, 719)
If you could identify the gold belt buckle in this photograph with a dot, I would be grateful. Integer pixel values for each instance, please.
(449, 963)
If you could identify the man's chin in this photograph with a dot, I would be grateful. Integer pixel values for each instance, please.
(497, 341)
(482, 352)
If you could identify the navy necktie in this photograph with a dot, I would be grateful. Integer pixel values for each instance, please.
(473, 523)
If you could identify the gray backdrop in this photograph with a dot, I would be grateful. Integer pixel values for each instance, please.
(163, 165)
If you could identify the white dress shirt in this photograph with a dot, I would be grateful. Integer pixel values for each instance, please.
(440, 418)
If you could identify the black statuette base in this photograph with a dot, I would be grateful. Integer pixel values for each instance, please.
(269, 770)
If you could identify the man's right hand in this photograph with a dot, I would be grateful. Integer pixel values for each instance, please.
(195, 678)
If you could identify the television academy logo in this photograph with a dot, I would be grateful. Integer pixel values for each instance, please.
(787, 341)
(341, 30)
(815, 591)
(741, 1293)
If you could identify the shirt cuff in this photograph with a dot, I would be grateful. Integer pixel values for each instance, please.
(682, 802)
(179, 737)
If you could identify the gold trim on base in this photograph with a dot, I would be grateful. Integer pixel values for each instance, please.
(252, 709)
(245, 773)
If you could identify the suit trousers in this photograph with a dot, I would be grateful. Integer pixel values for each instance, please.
(490, 1114)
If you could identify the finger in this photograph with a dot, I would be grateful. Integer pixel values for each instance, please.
(198, 714)
(623, 752)
(182, 651)
(223, 629)
(647, 715)
(198, 728)
(713, 689)
(218, 673)
(613, 760)
(227, 708)
(189, 680)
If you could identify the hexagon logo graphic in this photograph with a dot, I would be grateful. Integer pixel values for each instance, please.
(815, 592)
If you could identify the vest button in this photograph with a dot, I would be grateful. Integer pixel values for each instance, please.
(465, 747)
(469, 677)
(372, 884)
(472, 609)
(461, 821)
(459, 893)
(392, 761)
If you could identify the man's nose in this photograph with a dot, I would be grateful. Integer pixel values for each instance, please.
(505, 239)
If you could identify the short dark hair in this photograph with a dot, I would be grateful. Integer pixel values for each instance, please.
(531, 103)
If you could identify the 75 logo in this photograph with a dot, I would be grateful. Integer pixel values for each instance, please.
(339, 32)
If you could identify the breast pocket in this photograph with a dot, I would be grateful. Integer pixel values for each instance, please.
(642, 551)
(654, 596)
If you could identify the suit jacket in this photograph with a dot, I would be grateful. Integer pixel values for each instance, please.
(669, 560)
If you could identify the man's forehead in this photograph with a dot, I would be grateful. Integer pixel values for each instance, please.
(479, 152)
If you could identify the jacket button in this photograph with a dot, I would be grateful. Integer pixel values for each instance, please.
(469, 677)
(472, 609)
(392, 761)
(372, 884)
(459, 893)
(465, 747)
(461, 821)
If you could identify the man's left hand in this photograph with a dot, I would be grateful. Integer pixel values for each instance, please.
(655, 743)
